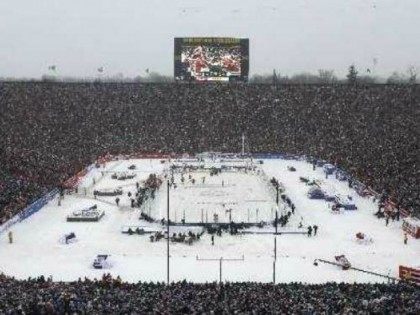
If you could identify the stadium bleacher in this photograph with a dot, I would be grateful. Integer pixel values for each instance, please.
(370, 131)
(112, 296)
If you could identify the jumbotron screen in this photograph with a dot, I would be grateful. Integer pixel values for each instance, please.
(211, 59)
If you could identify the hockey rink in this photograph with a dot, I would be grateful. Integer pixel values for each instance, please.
(238, 197)
(38, 250)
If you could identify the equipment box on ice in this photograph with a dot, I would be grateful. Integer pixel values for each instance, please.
(113, 193)
(91, 214)
(328, 168)
(345, 202)
(316, 193)
(101, 262)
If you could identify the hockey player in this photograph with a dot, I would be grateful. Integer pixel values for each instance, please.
(315, 229)
(281, 220)
(10, 235)
(68, 237)
(212, 240)
(309, 231)
(405, 238)
(117, 201)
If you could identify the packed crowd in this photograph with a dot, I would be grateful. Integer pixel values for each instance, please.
(50, 131)
(112, 296)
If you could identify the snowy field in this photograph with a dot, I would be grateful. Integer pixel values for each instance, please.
(246, 197)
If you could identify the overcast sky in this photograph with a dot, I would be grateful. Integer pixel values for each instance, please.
(129, 36)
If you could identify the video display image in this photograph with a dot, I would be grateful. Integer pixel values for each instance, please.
(211, 60)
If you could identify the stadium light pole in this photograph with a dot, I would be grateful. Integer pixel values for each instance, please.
(276, 221)
(274, 272)
(220, 269)
(275, 249)
(167, 230)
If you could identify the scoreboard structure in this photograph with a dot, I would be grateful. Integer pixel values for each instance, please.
(211, 59)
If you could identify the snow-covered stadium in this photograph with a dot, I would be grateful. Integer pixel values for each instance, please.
(224, 157)
(330, 213)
